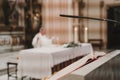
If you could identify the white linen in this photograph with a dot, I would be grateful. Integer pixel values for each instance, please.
(37, 62)
(84, 49)
(41, 40)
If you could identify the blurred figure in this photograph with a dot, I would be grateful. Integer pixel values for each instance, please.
(41, 39)
(10, 12)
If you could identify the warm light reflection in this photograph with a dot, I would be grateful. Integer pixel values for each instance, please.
(86, 35)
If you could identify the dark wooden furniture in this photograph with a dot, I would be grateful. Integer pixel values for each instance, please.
(11, 73)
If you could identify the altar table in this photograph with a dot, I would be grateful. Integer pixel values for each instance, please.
(37, 62)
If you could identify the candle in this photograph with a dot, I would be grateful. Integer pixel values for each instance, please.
(75, 35)
(85, 35)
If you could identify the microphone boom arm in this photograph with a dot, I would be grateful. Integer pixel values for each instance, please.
(100, 19)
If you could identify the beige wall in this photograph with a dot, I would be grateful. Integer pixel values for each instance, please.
(63, 27)
(56, 25)
(97, 29)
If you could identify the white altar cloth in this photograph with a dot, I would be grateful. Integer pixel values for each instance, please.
(37, 62)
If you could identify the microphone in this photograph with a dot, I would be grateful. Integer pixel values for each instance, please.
(100, 19)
